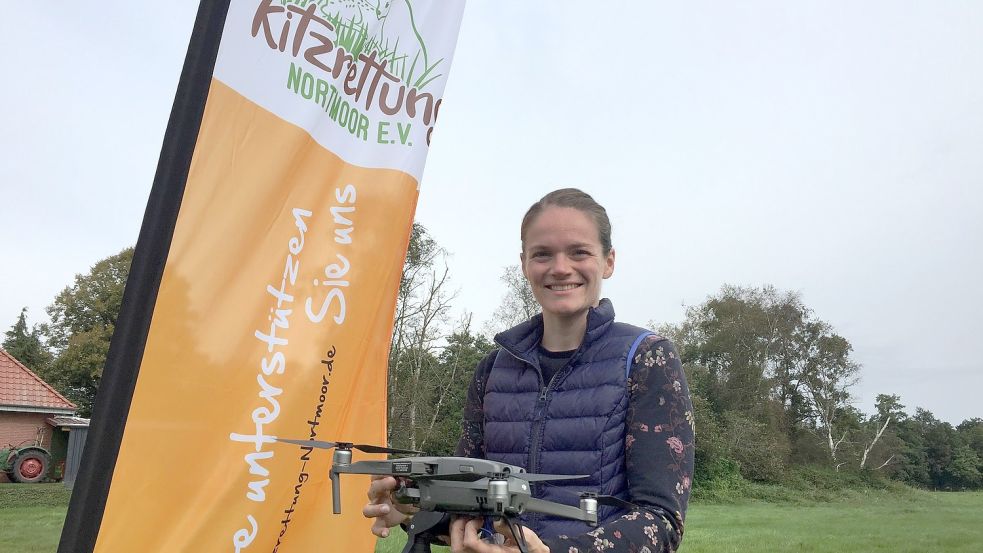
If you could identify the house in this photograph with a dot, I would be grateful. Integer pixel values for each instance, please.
(29, 410)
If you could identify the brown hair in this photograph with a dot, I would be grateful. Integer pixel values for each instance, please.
(577, 199)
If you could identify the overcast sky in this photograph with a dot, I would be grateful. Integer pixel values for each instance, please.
(830, 148)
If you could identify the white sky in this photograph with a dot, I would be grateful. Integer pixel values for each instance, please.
(832, 148)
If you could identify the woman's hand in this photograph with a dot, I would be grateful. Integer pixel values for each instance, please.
(386, 512)
(465, 538)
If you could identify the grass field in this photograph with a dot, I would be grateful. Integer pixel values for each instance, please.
(874, 522)
(31, 517)
(949, 522)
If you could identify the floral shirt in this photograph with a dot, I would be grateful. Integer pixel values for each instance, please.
(659, 448)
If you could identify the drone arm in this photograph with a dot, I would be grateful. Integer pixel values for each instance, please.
(342, 465)
(383, 468)
(560, 510)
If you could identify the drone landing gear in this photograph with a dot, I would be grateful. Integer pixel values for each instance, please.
(520, 539)
(424, 530)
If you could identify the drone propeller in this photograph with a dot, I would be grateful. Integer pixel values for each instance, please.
(348, 445)
(456, 477)
(530, 477)
(379, 449)
(474, 476)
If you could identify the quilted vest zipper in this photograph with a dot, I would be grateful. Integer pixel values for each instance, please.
(539, 417)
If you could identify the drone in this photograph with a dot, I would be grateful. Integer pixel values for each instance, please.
(443, 486)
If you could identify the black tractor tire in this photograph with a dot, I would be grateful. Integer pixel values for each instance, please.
(31, 466)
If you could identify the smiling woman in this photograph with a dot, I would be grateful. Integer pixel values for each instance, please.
(571, 391)
(566, 253)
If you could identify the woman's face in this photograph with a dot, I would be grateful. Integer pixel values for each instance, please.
(564, 262)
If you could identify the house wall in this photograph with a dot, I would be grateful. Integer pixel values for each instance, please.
(22, 429)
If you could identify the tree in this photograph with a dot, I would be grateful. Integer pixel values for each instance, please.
(889, 406)
(869, 446)
(83, 318)
(889, 409)
(760, 358)
(964, 469)
(971, 431)
(518, 305)
(912, 462)
(935, 455)
(26, 345)
(422, 306)
(938, 443)
(745, 337)
(456, 363)
(829, 373)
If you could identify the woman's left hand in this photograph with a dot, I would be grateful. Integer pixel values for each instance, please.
(465, 538)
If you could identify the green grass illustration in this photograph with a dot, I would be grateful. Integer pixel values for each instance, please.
(353, 34)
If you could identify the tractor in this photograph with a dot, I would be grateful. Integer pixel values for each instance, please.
(26, 464)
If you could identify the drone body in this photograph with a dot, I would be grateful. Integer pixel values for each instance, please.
(462, 485)
(455, 486)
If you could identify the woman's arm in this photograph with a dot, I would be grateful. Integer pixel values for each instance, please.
(659, 447)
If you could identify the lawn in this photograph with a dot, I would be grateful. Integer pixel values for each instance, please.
(878, 521)
(926, 521)
(31, 517)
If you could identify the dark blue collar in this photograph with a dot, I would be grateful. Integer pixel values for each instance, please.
(522, 339)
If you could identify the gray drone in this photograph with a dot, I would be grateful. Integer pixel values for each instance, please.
(441, 486)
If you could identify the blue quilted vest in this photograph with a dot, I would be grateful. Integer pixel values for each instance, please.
(574, 424)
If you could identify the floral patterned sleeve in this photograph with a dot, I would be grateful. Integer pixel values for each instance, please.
(658, 459)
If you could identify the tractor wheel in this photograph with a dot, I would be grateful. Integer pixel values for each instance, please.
(30, 466)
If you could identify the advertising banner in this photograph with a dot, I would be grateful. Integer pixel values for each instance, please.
(261, 297)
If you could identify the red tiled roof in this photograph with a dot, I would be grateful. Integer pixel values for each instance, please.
(20, 387)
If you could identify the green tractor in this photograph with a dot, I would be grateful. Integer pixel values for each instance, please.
(26, 464)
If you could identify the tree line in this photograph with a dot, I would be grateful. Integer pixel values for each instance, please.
(770, 384)
(770, 381)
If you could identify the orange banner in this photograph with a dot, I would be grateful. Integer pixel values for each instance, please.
(274, 308)
(279, 292)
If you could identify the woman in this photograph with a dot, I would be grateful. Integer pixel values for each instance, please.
(572, 392)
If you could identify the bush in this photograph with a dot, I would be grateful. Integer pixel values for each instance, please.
(761, 454)
(718, 480)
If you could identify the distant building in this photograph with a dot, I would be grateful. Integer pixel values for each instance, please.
(78, 430)
(31, 410)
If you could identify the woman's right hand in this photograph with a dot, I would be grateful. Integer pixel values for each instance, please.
(466, 538)
(386, 512)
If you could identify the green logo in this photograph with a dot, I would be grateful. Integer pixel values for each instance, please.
(360, 27)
